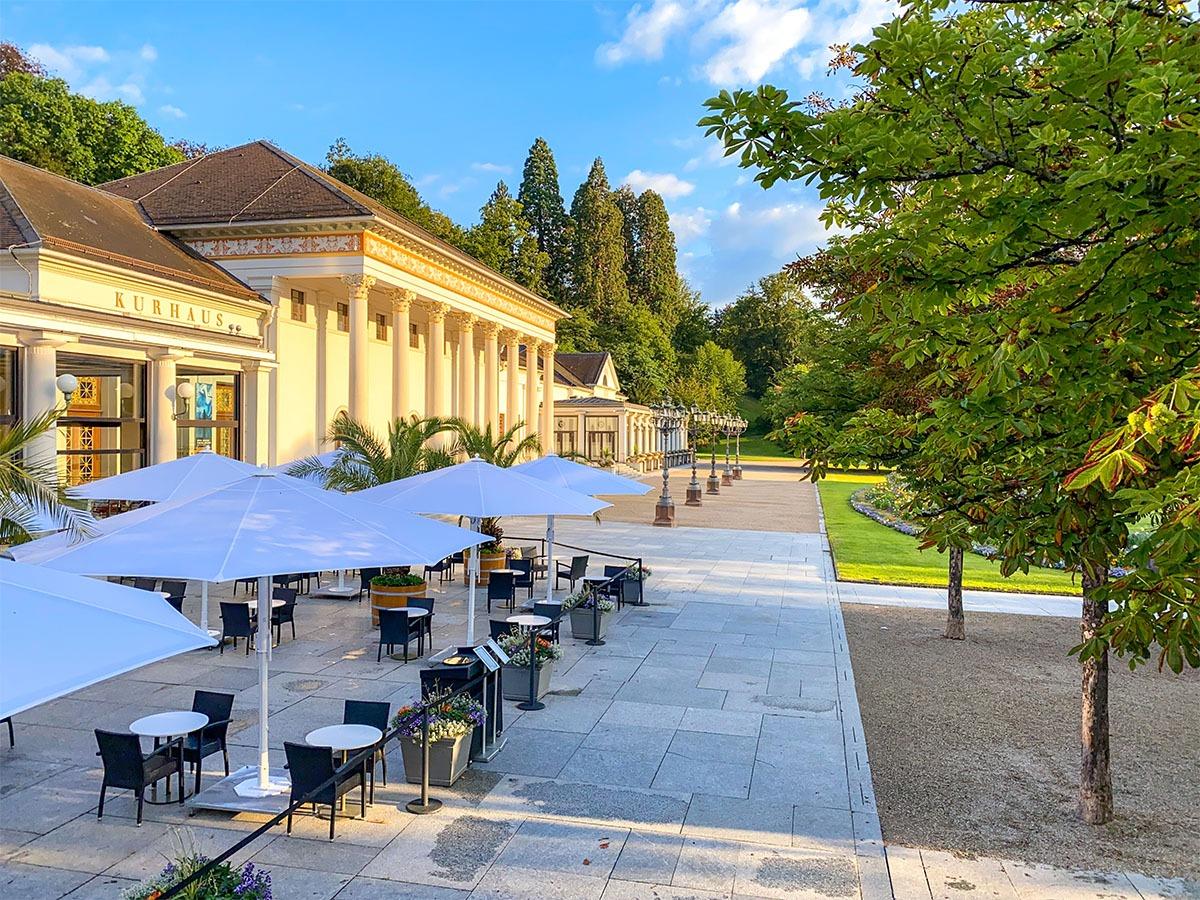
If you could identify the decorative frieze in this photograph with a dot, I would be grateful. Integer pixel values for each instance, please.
(277, 245)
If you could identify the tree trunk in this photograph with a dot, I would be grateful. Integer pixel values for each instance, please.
(956, 624)
(1095, 777)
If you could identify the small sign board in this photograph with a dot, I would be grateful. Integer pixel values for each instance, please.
(485, 657)
(497, 651)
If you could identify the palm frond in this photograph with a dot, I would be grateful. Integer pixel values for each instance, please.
(31, 491)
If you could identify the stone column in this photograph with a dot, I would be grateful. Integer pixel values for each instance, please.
(512, 370)
(401, 304)
(547, 427)
(466, 368)
(40, 370)
(623, 436)
(164, 445)
(532, 347)
(321, 313)
(358, 401)
(435, 354)
(491, 376)
(254, 428)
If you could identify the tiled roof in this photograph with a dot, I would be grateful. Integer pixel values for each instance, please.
(37, 206)
(585, 367)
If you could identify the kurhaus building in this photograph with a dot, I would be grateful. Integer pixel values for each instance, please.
(282, 296)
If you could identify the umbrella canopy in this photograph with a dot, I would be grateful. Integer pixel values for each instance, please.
(481, 490)
(171, 480)
(60, 633)
(262, 524)
(565, 473)
(328, 458)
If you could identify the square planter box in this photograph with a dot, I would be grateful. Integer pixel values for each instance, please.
(448, 759)
(581, 624)
(516, 681)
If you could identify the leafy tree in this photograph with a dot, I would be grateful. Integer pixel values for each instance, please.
(14, 59)
(654, 279)
(598, 250)
(367, 460)
(502, 240)
(34, 498)
(42, 123)
(765, 326)
(542, 203)
(711, 378)
(695, 325)
(1023, 177)
(380, 179)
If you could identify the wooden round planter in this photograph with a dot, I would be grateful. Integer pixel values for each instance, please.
(489, 561)
(393, 598)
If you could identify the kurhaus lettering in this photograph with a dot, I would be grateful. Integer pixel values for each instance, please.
(168, 309)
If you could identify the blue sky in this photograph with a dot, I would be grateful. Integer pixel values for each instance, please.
(455, 93)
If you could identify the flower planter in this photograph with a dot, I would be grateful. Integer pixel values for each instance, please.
(448, 759)
(516, 681)
(582, 622)
(393, 597)
(489, 560)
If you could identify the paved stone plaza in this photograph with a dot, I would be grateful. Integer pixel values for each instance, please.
(712, 748)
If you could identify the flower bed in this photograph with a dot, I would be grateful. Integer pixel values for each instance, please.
(223, 882)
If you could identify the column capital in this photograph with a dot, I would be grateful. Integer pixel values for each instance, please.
(464, 320)
(435, 309)
(359, 284)
(510, 335)
(45, 338)
(402, 299)
(167, 353)
(548, 346)
(489, 328)
(532, 345)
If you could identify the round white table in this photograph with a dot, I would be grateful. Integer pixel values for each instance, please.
(164, 726)
(343, 738)
(526, 622)
(253, 601)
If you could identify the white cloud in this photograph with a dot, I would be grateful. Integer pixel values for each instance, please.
(491, 167)
(173, 111)
(756, 34)
(148, 53)
(70, 61)
(646, 32)
(666, 184)
(783, 229)
(690, 224)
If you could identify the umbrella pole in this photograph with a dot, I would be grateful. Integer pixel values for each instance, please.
(549, 559)
(472, 577)
(204, 606)
(263, 650)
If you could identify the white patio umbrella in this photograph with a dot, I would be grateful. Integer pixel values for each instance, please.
(566, 473)
(171, 480)
(480, 490)
(60, 633)
(262, 525)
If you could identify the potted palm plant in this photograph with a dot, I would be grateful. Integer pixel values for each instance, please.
(364, 459)
(393, 591)
(583, 606)
(516, 670)
(503, 450)
(451, 723)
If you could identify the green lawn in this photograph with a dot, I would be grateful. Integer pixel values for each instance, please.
(867, 551)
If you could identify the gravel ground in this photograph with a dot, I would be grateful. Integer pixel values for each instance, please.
(974, 745)
(772, 496)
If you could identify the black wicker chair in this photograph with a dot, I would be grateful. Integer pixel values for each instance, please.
(310, 767)
(375, 713)
(236, 623)
(211, 738)
(127, 768)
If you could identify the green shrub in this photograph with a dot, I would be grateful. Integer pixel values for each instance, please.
(397, 581)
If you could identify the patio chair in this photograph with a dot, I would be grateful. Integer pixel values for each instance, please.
(310, 767)
(375, 713)
(441, 568)
(426, 622)
(211, 738)
(553, 612)
(499, 628)
(146, 584)
(286, 614)
(524, 577)
(456, 559)
(251, 585)
(394, 629)
(612, 589)
(501, 588)
(573, 572)
(175, 588)
(12, 741)
(236, 623)
(533, 554)
(176, 603)
(127, 768)
(364, 581)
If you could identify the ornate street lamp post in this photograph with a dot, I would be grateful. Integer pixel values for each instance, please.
(668, 417)
(727, 427)
(694, 491)
(739, 427)
(713, 484)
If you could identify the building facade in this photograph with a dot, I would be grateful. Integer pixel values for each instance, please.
(283, 297)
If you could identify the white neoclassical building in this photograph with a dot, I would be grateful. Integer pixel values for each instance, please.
(283, 297)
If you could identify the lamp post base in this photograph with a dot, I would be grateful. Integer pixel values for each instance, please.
(737, 473)
(693, 494)
(712, 485)
(727, 478)
(664, 514)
